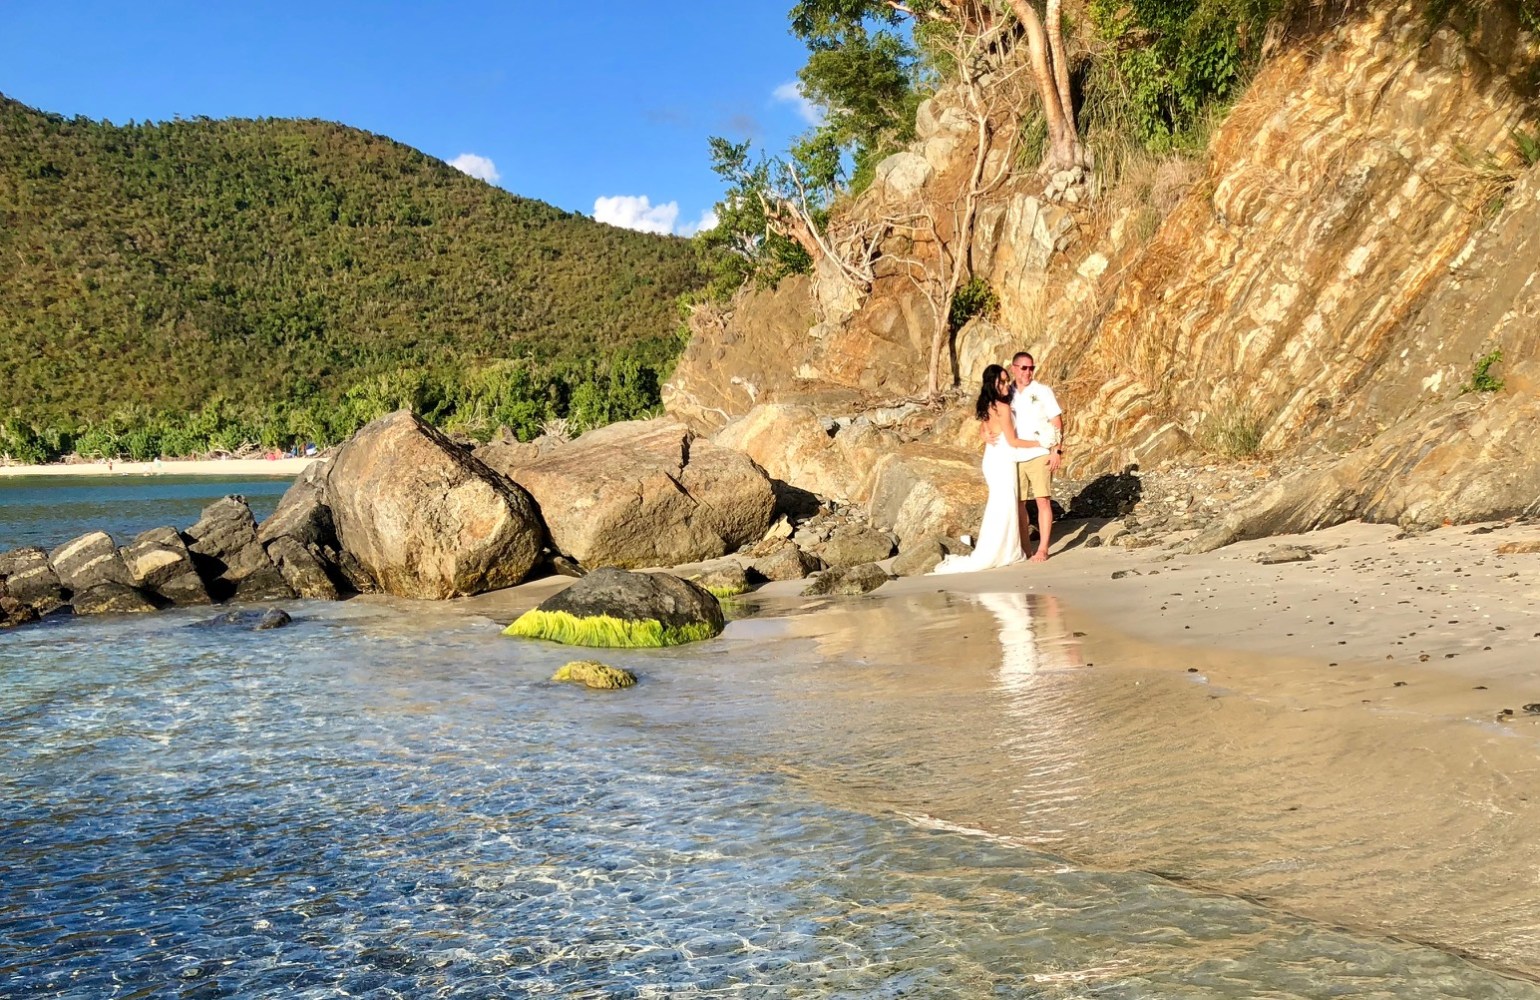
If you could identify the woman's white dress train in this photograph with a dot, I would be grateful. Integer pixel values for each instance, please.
(999, 541)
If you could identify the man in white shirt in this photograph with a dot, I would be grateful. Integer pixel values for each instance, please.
(1037, 416)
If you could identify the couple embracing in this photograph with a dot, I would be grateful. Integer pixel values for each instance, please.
(1021, 425)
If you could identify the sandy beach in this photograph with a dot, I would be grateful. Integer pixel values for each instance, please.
(285, 467)
(1344, 737)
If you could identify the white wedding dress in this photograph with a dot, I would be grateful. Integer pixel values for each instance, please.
(999, 541)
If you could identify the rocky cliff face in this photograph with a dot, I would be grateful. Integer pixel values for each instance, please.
(1362, 231)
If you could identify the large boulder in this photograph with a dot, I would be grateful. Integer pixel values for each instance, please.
(846, 581)
(647, 493)
(29, 578)
(425, 519)
(792, 444)
(306, 569)
(615, 607)
(224, 546)
(85, 562)
(783, 561)
(921, 490)
(159, 561)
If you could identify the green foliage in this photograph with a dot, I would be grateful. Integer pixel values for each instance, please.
(748, 241)
(1528, 146)
(1168, 61)
(1230, 428)
(973, 298)
(201, 284)
(1481, 377)
(604, 631)
(867, 84)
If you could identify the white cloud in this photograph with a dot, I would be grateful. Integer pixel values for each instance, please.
(637, 212)
(707, 221)
(477, 166)
(791, 93)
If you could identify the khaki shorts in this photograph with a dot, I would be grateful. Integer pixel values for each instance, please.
(1033, 479)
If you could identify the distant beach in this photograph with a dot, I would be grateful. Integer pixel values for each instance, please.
(223, 467)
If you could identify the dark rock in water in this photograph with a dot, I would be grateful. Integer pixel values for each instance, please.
(272, 618)
(224, 546)
(14, 612)
(303, 568)
(616, 607)
(158, 561)
(1284, 554)
(89, 561)
(266, 584)
(29, 578)
(302, 514)
(847, 581)
(423, 518)
(111, 598)
(853, 545)
(354, 572)
(787, 562)
(252, 620)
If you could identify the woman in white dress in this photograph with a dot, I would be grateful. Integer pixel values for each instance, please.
(999, 541)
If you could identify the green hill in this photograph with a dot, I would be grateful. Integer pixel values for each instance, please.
(280, 272)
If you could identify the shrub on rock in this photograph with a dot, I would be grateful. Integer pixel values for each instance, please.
(619, 608)
(425, 519)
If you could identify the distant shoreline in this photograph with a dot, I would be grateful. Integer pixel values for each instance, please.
(287, 468)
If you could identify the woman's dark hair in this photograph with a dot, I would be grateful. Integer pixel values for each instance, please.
(989, 392)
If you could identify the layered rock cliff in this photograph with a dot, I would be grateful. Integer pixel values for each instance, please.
(1322, 285)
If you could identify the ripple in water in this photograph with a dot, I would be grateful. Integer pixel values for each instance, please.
(360, 806)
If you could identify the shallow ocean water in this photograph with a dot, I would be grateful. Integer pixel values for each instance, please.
(48, 510)
(388, 799)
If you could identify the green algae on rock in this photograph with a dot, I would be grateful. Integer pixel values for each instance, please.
(618, 608)
(593, 674)
(604, 630)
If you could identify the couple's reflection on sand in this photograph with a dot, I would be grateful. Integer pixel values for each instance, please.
(1033, 638)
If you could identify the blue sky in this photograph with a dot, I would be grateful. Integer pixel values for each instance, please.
(569, 104)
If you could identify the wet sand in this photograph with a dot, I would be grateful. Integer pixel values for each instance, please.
(1325, 737)
(285, 467)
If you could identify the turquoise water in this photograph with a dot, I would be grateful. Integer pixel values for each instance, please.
(388, 799)
(47, 510)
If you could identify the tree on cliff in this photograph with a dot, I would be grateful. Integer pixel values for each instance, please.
(829, 24)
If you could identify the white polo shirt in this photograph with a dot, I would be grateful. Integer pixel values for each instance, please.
(1032, 411)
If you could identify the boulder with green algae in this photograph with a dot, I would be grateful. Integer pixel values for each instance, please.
(619, 608)
(591, 673)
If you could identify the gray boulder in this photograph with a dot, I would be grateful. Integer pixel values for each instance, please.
(158, 561)
(847, 581)
(224, 546)
(305, 568)
(265, 584)
(88, 561)
(29, 578)
(616, 607)
(302, 514)
(111, 597)
(853, 545)
(423, 518)
(14, 612)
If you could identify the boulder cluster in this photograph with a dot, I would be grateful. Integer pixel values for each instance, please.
(403, 509)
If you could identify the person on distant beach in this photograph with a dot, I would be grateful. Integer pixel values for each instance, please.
(1037, 416)
(999, 541)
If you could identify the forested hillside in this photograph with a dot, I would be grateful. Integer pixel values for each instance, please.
(288, 278)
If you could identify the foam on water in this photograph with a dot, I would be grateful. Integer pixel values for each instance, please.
(391, 800)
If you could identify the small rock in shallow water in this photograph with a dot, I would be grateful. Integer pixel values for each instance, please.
(272, 618)
(591, 673)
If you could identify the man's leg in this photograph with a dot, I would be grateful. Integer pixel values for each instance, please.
(1044, 528)
(1023, 504)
